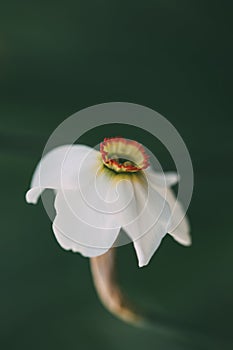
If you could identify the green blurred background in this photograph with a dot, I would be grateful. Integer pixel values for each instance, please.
(58, 57)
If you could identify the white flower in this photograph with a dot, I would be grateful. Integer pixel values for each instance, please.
(98, 193)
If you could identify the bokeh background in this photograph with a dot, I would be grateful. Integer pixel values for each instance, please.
(57, 57)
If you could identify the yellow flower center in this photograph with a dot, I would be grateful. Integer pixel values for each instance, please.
(122, 155)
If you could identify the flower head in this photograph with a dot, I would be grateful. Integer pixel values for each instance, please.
(100, 192)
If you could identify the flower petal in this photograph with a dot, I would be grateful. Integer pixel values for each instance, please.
(105, 192)
(59, 168)
(179, 230)
(151, 218)
(147, 245)
(157, 179)
(74, 232)
(68, 244)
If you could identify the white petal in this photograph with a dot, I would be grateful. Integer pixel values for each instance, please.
(77, 234)
(33, 194)
(60, 168)
(147, 245)
(152, 214)
(148, 209)
(167, 179)
(105, 191)
(69, 244)
(179, 230)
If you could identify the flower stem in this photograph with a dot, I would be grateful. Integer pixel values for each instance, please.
(104, 274)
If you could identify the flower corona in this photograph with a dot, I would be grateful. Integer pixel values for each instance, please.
(122, 155)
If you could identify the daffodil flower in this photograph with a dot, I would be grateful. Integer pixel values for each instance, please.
(98, 193)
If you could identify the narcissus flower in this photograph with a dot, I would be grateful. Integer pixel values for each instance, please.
(98, 193)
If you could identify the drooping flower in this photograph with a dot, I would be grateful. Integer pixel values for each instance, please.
(97, 193)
